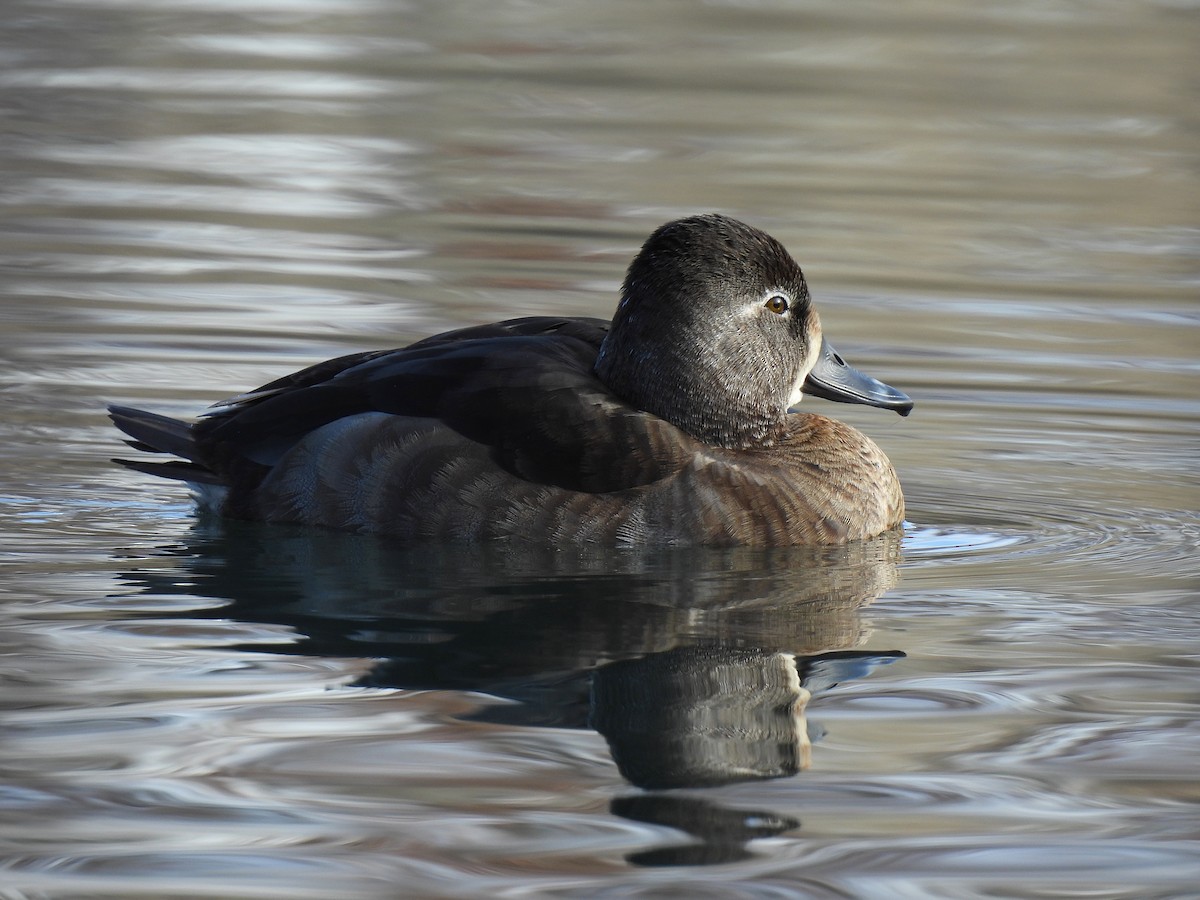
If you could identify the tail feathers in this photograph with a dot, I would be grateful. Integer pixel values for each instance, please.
(153, 433)
(180, 471)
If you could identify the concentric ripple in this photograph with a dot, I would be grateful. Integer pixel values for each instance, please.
(1036, 529)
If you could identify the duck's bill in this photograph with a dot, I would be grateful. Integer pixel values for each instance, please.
(833, 379)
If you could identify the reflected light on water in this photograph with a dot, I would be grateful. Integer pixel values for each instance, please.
(995, 207)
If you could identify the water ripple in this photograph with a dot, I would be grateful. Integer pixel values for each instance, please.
(1054, 530)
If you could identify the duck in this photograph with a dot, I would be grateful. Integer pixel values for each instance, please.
(673, 424)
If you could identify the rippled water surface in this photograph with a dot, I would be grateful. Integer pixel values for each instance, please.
(995, 205)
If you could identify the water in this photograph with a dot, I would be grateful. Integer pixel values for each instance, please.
(996, 209)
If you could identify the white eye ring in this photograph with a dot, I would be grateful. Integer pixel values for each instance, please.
(777, 303)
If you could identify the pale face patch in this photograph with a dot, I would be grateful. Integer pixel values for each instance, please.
(811, 356)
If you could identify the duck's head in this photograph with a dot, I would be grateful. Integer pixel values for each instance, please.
(717, 334)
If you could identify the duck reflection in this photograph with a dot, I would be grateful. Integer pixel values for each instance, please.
(707, 716)
(722, 832)
(697, 666)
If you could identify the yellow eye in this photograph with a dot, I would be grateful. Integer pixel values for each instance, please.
(777, 304)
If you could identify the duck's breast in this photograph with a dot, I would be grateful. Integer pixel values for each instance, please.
(418, 479)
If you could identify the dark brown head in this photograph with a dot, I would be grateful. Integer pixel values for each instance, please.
(717, 334)
(715, 331)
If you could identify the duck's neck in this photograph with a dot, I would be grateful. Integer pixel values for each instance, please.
(692, 395)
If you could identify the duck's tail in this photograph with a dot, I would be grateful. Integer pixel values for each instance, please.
(153, 433)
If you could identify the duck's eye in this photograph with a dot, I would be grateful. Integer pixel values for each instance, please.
(777, 304)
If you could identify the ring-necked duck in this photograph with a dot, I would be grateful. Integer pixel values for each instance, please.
(669, 425)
